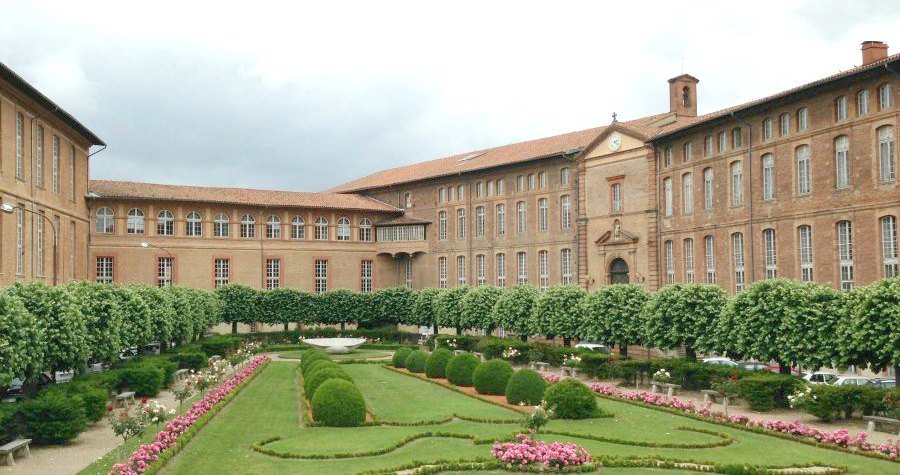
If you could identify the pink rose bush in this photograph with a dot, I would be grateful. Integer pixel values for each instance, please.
(551, 378)
(146, 455)
(527, 451)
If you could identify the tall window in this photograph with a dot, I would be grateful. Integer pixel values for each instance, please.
(105, 269)
(105, 221)
(73, 237)
(40, 156)
(544, 269)
(841, 108)
(221, 272)
(365, 230)
(442, 272)
(451, 192)
(687, 152)
(479, 189)
(687, 193)
(501, 219)
(164, 267)
(520, 217)
(298, 228)
(668, 155)
(461, 192)
(803, 170)
(565, 264)
(479, 221)
(767, 129)
(542, 180)
(135, 222)
(461, 223)
(689, 260)
(165, 223)
(248, 226)
(273, 274)
(409, 272)
(707, 145)
(845, 253)
(667, 196)
(708, 189)
(737, 250)
(365, 276)
(565, 212)
(709, 251)
(40, 244)
(501, 270)
(490, 188)
(885, 101)
(321, 282)
(768, 176)
(321, 229)
(343, 229)
(784, 121)
(520, 183)
(461, 270)
(889, 246)
(862, 103)
(886, 169)
(842, 162)
(194, 224)
(55, 165)
(737, 184)
(273, 227)
(20, 146)
(564, 177)
(615, 192)
(723, 142)
(543, 214)
(442, 225)
(501, 186)
(805, 238)
(736, 138)
(442, 195)
(72, 191)
(771, 254)
(480, 277)
(407, 200)
(522, 265)
(802, 119)
(670, 262)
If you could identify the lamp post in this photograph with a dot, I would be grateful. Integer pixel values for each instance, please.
(146, 245)
(8, 209)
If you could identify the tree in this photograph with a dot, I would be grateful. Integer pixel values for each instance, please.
(391, 305)
(681, 315)
(513, 310)
(870, 326)
(557, 312)
(448, 308)
(185, 313)
(424, 308)
(478, 307)
(240, 304)
(340, 306)
(22, 343)
(808, 337)
(152, 312)
(99, 303)
(613, 314)
(277, 306)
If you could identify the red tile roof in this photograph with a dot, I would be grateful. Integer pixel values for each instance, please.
(239, 196)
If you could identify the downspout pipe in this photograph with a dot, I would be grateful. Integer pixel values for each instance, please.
(752, 239)
(31, 179)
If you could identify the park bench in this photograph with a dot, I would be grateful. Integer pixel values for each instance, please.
(875, 421)
(63, 377)
(671, 389)
(568, 371)
(214, 358)
(9, 449)
(459, 352)
(480, 356)
(124, 398)
(710, 395)
(540, 366)
(180, 374)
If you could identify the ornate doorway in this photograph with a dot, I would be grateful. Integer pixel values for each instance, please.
(618, 271)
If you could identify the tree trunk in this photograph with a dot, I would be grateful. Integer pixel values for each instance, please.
(567, 341)
(458, 331)
(234, 327)
(286, 326)
(784, 368)
(435, 329)
(343, 326)
(896, 371)
(523, 337)
(690, 353)
(623, 350)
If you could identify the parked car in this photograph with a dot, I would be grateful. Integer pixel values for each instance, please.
(777, 369)
(888, 383)
(851, 381)
(720, 361)
(596, 347)
(820, 377)
(752, 365)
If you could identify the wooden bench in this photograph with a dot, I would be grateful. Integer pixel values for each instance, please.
(480, 356)
(540, 366)
(180, 374)
(671, 389)
(710, 395)
(10, 448)
(875, 421)
(124, 398)
(568, 371)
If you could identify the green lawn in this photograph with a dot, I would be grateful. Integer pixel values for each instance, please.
(356, 355)
(267, 408)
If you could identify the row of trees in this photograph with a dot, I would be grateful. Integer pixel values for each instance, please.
(59, 328)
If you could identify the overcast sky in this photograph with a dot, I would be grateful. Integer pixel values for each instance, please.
(284, 96)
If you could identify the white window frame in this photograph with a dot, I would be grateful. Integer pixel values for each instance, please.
(39, 252)
(20, 146)
(737, 251)
(522, 268)
(667, 196)
(343, 229)
(480, 275)
(460, 223)
(165, 271)
(273, 273)
(565, 264)
(479, 222)
(321, 276)
(564, 176)
(248, 226)
(442, 226)
(688, 252)
(501, 219)
(55, 165)
(442, 272)
(862, 103)
(165, 223)
(887, 170)
(221, 271)
(321, 228)
(767, 128)
(298, 228)
(804, 179)
(461, 270)
(544, 269)
(105, 222)
(802, 119)
(670, 262)
(366, 284)
(737, 183)
(841, 108)
(501, 269)
(889, 246)
(565, 212)
(708, 189)
(273, 227)
(709, 250)
(543, 215)
(687, 151)
(135, 221)
(105, 269)
(842, 162)
(845, 254)
(768, 176)
(805, 252)
(521, 217)
(770, 246)
(616, 192)
(193, 224)
(885, 99)
(687, 193)
(365, 230)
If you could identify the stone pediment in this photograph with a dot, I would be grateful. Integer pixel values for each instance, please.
(616, 235)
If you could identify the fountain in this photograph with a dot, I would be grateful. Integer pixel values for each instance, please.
(335, 345)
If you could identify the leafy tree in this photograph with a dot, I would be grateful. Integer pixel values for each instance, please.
(152, 312)
(392, 305)
(240, 304)
(277, 306)
(557, 312)
(423, 312)
(870, 326)
(185, 312)
(513, 310)
(809, 338)
(22, 344)
(682, 315)
(478, 307)
(99, 303)
(613, 314)
(340, 306)
(448, 308)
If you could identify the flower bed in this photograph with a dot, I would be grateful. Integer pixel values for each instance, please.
(527, 452)
(145, 456)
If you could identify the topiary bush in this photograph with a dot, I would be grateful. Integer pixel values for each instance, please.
(144, 380)
(399, 358)
(310, 356)
(436, 364)
(766, 391)
(320, 376)
(571, 399)
(338, 403)
(460, 368)
(317, 365)
(492, 376)
(415, 362)
(53, 417)
(193, 360)
(525, 387)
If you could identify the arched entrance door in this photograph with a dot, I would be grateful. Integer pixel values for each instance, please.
(618, 271)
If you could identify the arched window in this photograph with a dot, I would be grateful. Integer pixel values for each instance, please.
(442, 226)
(768, 176)
(194, 224)
(687, 193)
(618, 272)
(802, 119)
(564, 176)
(841, 108)
(841, 162)
(248, 226)
(298, 228)
(784, 121)
(862, 103)
(667, 196)
(105, 221)
(767, 128)
(709, 257)
(708, 189)
(165, 223)
(220, 225)
(365, 230)
(688, 251)
(135, 223)
(886, 152)
(670, 262)
(343, 229)
(885, 101)
(803, 170)
(321, 229)
(273, 227)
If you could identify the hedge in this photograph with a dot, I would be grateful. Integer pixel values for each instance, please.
(320, 376)
(338, 403)
(53, 417)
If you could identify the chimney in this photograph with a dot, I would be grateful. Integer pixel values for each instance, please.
(683, 95)
(873, 51)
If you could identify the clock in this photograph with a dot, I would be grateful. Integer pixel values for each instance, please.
(615, 141)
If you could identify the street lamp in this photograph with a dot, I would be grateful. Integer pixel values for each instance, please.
(168, 270)
(146, 244)
(8, 209)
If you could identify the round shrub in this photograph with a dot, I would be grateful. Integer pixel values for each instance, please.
(460, 368)
(399, 358)
(317, 365)
(525, 387)
(338, 403)
(571, 399)
(318, 377)
(415, 362)
(492, 376)
(53, 417)
(309, 356)
(436, 364)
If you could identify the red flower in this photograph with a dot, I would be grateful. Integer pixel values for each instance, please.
(143, 400)
(734, 377)
(109, 408)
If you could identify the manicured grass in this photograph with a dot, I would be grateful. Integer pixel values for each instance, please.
(267, 408)
(356, 355)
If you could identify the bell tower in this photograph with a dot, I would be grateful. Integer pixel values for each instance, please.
(683, 95)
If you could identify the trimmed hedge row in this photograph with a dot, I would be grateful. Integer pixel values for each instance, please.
(333, 398)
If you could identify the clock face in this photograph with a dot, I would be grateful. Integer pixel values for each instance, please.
(615, 141)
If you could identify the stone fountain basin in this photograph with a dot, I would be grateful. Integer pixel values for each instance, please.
(335, 345)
